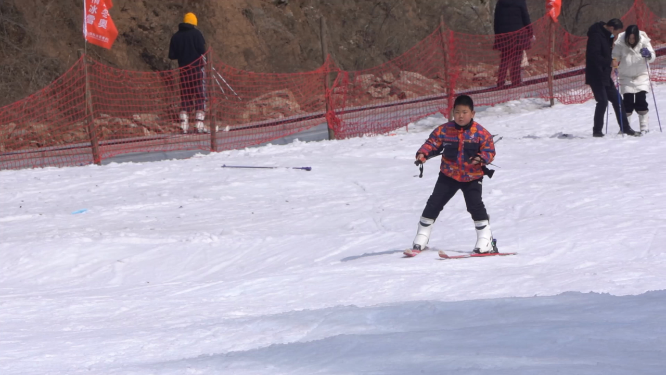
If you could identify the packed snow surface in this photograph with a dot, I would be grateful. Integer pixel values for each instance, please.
(185, 267)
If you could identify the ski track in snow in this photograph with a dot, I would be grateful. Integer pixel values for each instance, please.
(184, 267)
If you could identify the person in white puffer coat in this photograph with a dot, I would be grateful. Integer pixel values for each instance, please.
(631, 51)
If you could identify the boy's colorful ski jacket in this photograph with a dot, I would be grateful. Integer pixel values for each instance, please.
(458, 144)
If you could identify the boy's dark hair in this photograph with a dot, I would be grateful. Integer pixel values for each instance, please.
(464, 100)
(615, 24)
(632, 30)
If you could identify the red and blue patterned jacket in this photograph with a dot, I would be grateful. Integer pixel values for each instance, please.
(458, 145)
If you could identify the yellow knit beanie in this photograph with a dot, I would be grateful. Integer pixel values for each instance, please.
(190, 18)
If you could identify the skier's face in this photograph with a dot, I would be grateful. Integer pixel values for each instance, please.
(632, 39)
(462, 115)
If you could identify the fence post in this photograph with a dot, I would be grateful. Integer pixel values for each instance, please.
(327, 77)
(90, 117)
(451, 82)
(551, 60)
(447, 78)
(211, 101)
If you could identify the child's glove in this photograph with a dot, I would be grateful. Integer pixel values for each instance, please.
(646, 53)
(475, 160)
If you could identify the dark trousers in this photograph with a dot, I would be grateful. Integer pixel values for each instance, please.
(635, 102)
(446, 188)
(603, 95)
(191, 89)
(510, 58)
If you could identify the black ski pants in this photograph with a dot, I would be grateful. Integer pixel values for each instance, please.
(603, 95)
(637, 102)
(446, 188)
(192, 89)
(510, 59)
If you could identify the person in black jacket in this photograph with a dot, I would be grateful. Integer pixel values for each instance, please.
(188, 46)
(598, 67)
(513, 34)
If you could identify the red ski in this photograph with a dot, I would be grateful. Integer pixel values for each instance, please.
(473, 255)
(410, 253)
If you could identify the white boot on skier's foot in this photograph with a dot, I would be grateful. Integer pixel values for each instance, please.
(422, 237)
(184, 121)
(643, 121)
(484, 238)
(423, 233)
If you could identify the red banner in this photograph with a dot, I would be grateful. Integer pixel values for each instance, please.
(98, 27)
(553, 8)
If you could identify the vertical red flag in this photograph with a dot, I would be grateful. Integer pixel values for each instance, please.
(98, 27)
(553, 8)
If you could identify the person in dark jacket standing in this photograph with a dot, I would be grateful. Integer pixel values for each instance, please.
(598, 68)
(510, 17)
(188, 46)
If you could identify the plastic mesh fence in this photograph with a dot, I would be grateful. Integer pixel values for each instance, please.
(47, 128)
(140, 112)
(94, 112)
(252, 108)
(389, 96)
(655, 27)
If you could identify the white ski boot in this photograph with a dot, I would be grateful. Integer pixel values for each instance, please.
(484, 238)
(643, 121)
(184, 121)
(422, 237)
(200, 116)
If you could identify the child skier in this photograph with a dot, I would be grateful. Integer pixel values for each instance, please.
(466, 148)
(632, 52)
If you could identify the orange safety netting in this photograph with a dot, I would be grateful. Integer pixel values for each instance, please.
(94, 112)
(491, 68)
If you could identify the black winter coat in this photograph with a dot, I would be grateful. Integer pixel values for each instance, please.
(598, 58)
(511, 16)
(187, 45)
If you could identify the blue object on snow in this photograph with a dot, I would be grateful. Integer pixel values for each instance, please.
(79, 211)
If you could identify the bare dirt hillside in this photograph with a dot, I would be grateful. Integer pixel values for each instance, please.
(40, 39)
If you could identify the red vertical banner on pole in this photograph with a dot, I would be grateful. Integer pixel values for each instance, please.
(553, 8)
(98, 27)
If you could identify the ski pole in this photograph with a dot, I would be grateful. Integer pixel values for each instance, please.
(226, 83)
(223, 80)
(253, 167)
(653, 97)
(619, 101)
(216, 80)
(220, 86)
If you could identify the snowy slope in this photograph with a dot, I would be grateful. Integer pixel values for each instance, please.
(185, 267)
